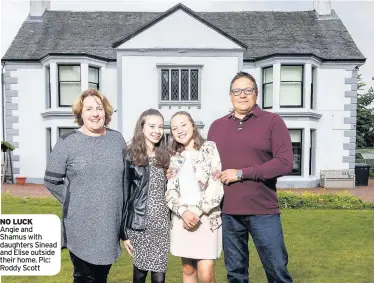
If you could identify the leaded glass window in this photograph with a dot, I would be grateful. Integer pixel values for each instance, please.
(164, 84)
(180, 84)
(184, 84)
(194, 85)
(174, 84)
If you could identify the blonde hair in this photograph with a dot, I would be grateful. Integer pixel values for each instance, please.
(78, 106)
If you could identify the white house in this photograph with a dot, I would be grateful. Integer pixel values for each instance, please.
(305, 64)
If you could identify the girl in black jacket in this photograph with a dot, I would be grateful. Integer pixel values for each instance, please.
(147, 217)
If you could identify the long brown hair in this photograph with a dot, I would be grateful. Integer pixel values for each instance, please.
(176, 147)
(138, 148)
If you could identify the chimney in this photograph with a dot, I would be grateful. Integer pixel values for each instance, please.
(322, 7)
(37, 9)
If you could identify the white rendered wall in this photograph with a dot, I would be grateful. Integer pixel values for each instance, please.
(109, 88)
(179, 30)
(257, 74)
(32, 133)
(330, 132)
(140, 88)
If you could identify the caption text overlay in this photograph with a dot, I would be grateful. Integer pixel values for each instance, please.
(30, 244)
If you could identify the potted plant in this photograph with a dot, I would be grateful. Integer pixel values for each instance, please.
(6, 146)
(20, 180)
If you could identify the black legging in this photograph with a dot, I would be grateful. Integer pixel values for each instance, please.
(139, 276)
(85, 272)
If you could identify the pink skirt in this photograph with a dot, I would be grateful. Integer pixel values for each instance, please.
(199, 243)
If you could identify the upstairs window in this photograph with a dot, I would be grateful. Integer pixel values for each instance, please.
(291, 88)
(69, 84)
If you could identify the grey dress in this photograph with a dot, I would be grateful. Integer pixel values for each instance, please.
(85, 174)
(151, 245)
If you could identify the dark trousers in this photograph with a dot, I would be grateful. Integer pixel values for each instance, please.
(85, 272)
(267, 235)
(139, 276)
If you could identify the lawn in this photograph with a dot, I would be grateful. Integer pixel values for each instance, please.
(325, 246)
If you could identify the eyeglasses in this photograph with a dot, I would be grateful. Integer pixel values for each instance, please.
(247, 91)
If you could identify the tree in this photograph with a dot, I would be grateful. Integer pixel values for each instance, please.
(365, 116)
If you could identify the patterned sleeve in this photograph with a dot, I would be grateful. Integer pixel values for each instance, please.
(172, 195)
(214, 192)
(56, 170)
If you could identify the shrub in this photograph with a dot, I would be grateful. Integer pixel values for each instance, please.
(306, 200)
(371, 173)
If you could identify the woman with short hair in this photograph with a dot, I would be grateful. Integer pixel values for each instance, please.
(85, 173)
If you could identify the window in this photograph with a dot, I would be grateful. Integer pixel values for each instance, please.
(62, 131)
(312, 89)
(48, 87)
(296, 138)
(291, 88)
(167, 138)
(93, 78)
(312, 153)
(180, 85)
(267, 88)
(69, 84)
(48, 141)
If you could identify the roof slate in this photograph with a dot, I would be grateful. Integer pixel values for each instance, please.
(265, 33)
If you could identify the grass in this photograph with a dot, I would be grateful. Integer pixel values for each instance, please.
(324, 246)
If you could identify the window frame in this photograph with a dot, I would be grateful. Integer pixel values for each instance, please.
(301, 86)
(298, 173)
(263, 88)
(312, 88)
(180, 68)
(312, 152)
(167, 133)
(59, 82)
(48, 97)
(64, 128)
(48, 133)
(98, 76)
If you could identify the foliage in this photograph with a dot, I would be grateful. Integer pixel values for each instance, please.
(6, 146)
(309, 200)
(365, 116)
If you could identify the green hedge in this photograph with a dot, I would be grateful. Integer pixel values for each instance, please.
(371, 173)
(308, 200)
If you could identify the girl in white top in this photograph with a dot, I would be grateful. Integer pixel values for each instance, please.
(194, 194)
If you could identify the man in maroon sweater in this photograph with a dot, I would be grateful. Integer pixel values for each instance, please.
(255, 148)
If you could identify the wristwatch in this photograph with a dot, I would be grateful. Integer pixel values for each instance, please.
(239, 174)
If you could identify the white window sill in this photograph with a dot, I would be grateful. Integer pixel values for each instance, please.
(57, 112)
(310, 115)
(179, 103)
(290, 178)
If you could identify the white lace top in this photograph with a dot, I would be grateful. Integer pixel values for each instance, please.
(189, 188)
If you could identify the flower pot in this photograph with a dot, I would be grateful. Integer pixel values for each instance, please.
(20, 180)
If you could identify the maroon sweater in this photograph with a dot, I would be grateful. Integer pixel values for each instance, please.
(260, 144)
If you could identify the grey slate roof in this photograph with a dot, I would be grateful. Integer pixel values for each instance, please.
(265, 33)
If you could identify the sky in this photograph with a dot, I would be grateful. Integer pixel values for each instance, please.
(357, 16)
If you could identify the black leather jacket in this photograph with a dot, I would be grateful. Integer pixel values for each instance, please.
(136, 183)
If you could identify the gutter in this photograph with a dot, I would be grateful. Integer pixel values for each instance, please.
(3, 98)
